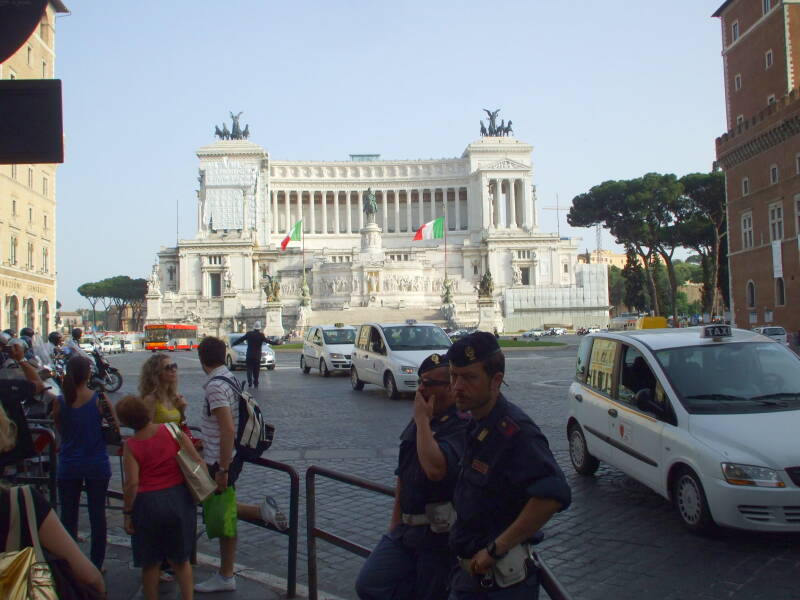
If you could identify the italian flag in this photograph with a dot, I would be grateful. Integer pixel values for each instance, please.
(295, 235)
(432, 230)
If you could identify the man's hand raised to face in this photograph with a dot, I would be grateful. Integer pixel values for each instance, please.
(423, 408)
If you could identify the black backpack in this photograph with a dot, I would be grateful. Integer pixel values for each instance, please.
(254, 435)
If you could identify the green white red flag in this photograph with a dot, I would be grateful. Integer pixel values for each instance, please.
(432, 230)
(295, 235)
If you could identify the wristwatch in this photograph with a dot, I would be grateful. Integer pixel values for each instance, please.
(491, 549)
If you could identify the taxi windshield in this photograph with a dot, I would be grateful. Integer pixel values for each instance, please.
(732, 378)
(339, 336)
(415, 337)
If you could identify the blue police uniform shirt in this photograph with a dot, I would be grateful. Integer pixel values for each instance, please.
(506, 462)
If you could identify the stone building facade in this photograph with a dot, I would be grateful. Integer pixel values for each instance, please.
(760, 154)
(248, 202)
(28, 204)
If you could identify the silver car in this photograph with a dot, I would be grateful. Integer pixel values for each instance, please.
(236, 356)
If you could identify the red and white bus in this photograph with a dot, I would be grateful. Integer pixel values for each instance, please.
(170, 336)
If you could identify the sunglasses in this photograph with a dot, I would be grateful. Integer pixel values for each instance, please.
(171, 367)
(432, 382)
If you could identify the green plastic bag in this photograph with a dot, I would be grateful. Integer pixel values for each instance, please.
(219, 514)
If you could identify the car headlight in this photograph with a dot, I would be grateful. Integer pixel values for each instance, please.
(737, 474)
(335, 355)
(408, 370)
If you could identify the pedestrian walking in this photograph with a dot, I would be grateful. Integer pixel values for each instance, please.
(219, 424)
(82, 456)
(509, 484)
(160, 514)
(412, 561)
(255, 340)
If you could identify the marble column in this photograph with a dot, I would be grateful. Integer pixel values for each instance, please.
(396, 211)
(360, 207)
(512, 202)
(311, 208)
(324, 227)
(336, 212)
(385, 203)
(349, 220)
(408, 210)
(274, 227)
(300, 211)
(457, 208)
(421, 201)
(287, 201)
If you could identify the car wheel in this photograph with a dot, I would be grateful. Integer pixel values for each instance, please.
(690, 502)
(583, 462)
(323, 368)
(306, 369)
(357, 384)
(390, 386)
(229, 363)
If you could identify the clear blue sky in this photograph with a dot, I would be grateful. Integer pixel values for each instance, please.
(603, 90)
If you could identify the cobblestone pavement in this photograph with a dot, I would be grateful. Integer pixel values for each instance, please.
(618, 540)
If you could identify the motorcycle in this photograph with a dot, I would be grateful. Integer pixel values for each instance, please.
(105, 378)
(582, 331)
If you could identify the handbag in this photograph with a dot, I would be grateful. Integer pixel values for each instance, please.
(199, 482)
(24, 573)
(108, 426)
(219, 514)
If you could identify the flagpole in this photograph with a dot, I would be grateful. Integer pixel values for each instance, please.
(445, 237)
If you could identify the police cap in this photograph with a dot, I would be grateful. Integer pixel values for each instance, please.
(434, 361)
(475, 347)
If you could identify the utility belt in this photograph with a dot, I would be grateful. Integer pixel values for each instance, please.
(440, 516)
(509, 570)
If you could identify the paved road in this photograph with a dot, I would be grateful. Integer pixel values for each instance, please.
(618, 540)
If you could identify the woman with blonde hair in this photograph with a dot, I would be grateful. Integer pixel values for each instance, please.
(52, 535)
(158, 388)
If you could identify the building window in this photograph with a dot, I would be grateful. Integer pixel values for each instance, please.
(771, 99)
(775, 222)
(745, 186)
(737, 82)
(751, 294)
(768, 59)
(29, 257)
(735, 31)
(12, 255)
(747, 230)
(45, 186)
(30, 55)
(13, 171)
(44, 69)
(780, 292)
(45, 261)
(216, 285)
(526, 275)
(13, 207)
(773, 174)
(739, 119)
(44, 221)
(797, 164)
(566, 268)
(30, 177)
(765, 6)
(30, 214)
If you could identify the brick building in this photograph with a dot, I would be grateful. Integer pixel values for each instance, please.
(760, 154)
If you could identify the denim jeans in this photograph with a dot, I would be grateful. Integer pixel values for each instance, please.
(69, 491)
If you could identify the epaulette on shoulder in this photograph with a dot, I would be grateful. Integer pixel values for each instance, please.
(508, 427)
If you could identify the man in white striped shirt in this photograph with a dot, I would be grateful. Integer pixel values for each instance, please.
(219, 424)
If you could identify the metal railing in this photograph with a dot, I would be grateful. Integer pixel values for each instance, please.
(547, 578)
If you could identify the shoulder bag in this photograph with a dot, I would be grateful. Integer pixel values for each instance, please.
(24, 573)
(197, 478)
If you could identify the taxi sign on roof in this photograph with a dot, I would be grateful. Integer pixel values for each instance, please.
(716, 332)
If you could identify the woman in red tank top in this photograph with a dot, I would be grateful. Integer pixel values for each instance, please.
(159, 512)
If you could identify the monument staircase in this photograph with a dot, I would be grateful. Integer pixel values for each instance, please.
(357, 315)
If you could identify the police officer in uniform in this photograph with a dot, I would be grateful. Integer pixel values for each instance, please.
(255, 339)
(412, 561)
(509, 484)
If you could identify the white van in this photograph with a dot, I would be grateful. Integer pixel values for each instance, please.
(328, 348)
(705, 416)
(389, 354)
(776, 333)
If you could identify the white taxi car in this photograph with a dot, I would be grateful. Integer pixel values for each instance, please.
(705, 416)
(328, 348)
(388, 354)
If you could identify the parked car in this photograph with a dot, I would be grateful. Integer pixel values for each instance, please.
(328, 348)
(594, 329)
(110, 345)
(705, 416)
(459, 333)
(388, 354)
(776, 333)
(533, 333)
(235, 356)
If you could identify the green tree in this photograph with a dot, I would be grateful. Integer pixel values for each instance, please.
(637, 297)
(91, 292)
(616, 286)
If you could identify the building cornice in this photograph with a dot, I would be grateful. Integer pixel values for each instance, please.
(773, 136)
